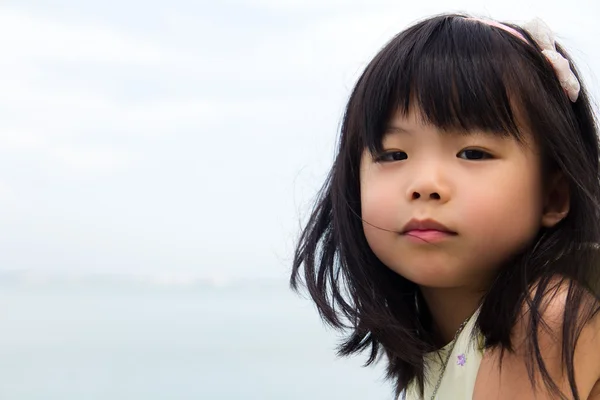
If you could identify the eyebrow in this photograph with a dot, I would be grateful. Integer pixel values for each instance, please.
(397, 129)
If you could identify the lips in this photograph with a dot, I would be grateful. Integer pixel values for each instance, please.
(426, 225)
(426, 231)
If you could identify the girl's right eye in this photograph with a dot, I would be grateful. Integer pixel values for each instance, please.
(392, 156)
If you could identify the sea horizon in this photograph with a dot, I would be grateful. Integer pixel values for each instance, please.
(110, 336)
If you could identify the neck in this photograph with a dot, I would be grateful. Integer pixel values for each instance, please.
(449, 308)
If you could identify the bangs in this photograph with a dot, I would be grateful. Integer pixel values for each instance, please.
(460, 75)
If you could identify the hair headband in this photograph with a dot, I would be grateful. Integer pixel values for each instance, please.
(542, 35)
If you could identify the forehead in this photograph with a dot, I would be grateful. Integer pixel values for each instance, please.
(413, 122)
(411, 132)
(459, 77)
(414, 126)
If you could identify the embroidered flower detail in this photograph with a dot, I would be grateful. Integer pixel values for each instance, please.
(462, 359)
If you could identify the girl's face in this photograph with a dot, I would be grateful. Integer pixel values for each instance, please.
(474, 201)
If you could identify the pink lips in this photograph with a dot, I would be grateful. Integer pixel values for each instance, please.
(427, 230)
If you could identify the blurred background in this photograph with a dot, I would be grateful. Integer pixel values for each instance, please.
(157, 160)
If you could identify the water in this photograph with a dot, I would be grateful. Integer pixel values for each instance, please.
(240, 342)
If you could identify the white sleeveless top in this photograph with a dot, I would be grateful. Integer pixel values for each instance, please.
(459, 378)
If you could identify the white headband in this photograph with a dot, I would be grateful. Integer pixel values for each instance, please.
(541, 33)
(543, 36)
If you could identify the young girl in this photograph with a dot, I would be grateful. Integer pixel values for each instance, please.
(456, 233)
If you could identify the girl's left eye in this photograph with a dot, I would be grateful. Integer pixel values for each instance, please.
(474, 154)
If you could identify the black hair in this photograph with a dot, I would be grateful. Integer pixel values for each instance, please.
(464, 75)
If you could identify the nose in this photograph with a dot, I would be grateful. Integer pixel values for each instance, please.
(432, 196)
(428, 186)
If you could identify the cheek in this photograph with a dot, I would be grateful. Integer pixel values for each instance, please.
(381, 204)
(380, 201)
(508, 210)
(379, 208)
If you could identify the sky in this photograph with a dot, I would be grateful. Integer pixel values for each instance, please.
(189, 138)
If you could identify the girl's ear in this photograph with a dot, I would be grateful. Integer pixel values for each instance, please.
(557, 201)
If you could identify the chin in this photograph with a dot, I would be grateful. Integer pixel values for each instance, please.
(430, 276)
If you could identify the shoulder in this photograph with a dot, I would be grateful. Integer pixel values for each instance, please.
(507, 374)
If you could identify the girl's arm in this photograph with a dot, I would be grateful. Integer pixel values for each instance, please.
(511, 381)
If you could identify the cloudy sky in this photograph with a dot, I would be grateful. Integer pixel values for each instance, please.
(189, 137)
